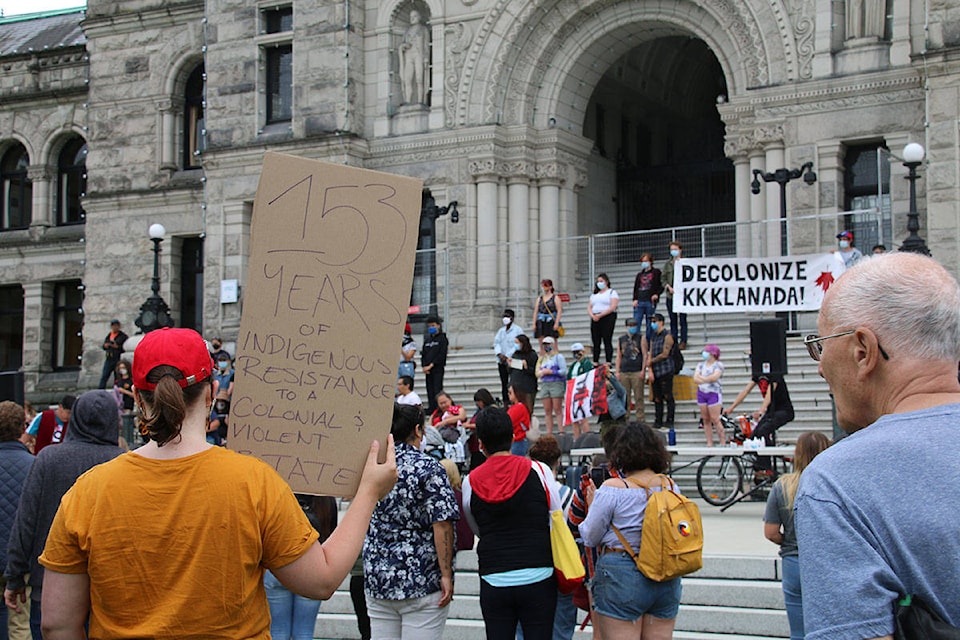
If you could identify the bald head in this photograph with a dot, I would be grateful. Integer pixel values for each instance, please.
(910, 301)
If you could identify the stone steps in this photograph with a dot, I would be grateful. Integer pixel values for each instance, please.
(471, 365)
(732, 597)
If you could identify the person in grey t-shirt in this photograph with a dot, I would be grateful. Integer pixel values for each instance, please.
(778, 525)
(876, 513)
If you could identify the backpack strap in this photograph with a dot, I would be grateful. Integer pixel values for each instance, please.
(542, 300)
(665, 483)
(623, 541)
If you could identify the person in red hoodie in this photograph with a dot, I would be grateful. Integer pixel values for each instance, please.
(507, 501)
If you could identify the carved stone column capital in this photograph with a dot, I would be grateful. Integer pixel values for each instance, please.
(516, 171)
(40, 172)
(483, 170)
(769, 135)
(550, 173)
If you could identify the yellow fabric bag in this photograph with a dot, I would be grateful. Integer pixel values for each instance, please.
(567, 565)
(566, 556)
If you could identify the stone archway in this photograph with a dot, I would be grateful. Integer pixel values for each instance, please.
(532, 71)
(528, 56)
(554, 56)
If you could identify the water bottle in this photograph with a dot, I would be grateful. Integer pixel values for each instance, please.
(672, 437)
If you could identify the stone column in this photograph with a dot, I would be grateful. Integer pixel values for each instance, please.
(503, 257)
(43, 195)
(550, 233)
(518, 205)
(486, 181)
(37, 332)
(774, 160)
(567, 256)
(737, 147)
(742, 195)
(758, 211)
(536, 240)
(167, 111)
(830, 175)
(237, 217)
(574, 179)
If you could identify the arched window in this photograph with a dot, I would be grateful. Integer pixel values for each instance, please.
(193, 144)
(71, 182)
(17, 197)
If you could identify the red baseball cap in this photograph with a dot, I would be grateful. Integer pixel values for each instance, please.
(183, 349)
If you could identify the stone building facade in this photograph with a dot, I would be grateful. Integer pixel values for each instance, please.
(546, 120)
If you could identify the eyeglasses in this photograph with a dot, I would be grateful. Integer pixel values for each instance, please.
(815, 348)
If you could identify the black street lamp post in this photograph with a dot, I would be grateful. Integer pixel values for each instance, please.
(782, 177)
(154, 313)
(426, 263)
(912, 157)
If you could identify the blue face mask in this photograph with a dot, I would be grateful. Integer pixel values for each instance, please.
(705, 355)
(432, 330)
(548, 348)
(631, 330)
(644, 265)
(844, 244)
(675, 253)
(655, 326)
(601, 285)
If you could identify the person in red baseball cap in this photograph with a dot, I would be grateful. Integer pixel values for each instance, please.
(848, 252)
(187, 527)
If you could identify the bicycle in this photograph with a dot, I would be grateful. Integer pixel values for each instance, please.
(721, 478)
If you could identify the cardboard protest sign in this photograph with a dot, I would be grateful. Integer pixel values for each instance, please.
(331, 267)
(787, 283)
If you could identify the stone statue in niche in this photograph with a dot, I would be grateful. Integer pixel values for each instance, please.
(866, 18)
(415, 61)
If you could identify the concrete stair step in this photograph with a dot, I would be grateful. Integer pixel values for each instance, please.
(731, 597)
(736, 620)
(725, 592)
(344, 626)
(693, 623)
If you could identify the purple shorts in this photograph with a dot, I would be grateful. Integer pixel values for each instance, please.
(709, 398)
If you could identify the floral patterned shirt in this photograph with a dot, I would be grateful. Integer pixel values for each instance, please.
(399, 556)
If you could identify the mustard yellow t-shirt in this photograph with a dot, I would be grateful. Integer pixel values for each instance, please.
(177, 548)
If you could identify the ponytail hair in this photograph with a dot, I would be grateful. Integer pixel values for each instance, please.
(406, 419)
(164, 408)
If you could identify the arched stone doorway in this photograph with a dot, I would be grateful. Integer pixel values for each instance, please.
(537, 70)
(659, 138)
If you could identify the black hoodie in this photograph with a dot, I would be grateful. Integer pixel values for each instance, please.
(91, 439)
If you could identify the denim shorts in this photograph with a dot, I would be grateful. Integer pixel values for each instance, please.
(621, 592)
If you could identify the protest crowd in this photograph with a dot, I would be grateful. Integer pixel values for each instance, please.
(108, 538)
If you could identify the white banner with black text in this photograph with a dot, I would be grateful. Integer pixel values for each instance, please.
(726, 285)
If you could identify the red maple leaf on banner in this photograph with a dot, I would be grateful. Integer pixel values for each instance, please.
(825, 280)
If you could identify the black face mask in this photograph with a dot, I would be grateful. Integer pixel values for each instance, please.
(216, 345)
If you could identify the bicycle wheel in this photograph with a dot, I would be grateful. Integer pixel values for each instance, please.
(719, 479)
